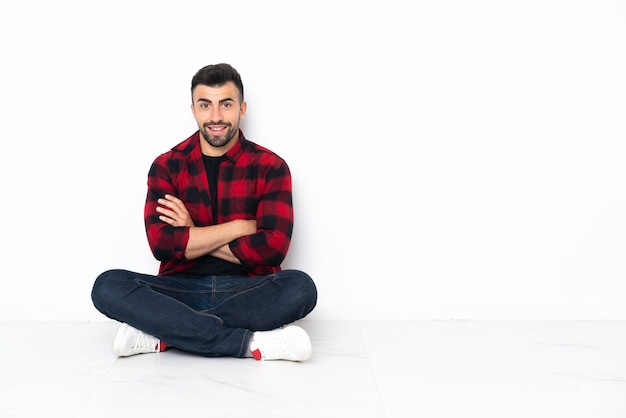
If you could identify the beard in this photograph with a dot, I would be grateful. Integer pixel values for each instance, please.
(218, 141)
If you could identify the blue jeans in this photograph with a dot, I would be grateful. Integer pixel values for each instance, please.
(211, 316)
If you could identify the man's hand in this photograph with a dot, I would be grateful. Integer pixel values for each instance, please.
(214, 239)
(174, 212)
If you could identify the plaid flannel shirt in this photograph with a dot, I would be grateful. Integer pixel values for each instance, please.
(253, 183)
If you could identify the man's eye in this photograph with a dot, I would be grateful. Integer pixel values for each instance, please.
(228, 105)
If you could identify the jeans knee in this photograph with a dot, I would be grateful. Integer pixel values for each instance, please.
(103, 288)
(306, 289)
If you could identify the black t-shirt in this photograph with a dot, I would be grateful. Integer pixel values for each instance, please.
(208, 265)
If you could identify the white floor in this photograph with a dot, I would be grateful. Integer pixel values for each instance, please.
(358, 369)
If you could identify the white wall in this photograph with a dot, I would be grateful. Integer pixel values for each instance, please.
(451, 159)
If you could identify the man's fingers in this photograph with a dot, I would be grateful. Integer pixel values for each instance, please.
(173, 203)
(167, 220)
(166, 212)
(173, 211)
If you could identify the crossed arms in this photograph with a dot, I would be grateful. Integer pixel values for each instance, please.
(213, 239)
(256, 219)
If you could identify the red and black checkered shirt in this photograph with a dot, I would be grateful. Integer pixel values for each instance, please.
(253, 183)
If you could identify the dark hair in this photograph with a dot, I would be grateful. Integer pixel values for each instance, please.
(217, 75)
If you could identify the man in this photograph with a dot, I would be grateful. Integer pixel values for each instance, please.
(219, 218)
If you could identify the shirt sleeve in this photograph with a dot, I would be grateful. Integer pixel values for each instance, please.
(167, 243)
(269, 245)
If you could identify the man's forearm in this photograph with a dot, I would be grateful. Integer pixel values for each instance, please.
(225, 253)
(209, 239)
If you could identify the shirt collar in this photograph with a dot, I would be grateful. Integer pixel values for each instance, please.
(234, 153)
(194, 150)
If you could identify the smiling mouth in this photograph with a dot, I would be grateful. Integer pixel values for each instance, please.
(216, 129)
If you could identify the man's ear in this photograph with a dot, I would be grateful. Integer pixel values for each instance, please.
(242, 110)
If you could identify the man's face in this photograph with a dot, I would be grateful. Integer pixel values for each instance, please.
(217, 111)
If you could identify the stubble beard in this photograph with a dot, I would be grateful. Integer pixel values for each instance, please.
(219, 141)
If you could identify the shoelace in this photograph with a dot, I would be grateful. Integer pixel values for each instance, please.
(146, 342)
(273, 347)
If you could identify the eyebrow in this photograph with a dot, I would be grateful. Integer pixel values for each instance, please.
(203, 100)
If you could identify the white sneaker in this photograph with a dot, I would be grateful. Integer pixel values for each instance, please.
(130, 341)
(288, 343)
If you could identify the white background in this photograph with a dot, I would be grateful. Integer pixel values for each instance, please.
(451, 159)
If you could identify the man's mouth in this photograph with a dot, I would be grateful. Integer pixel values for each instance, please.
(216, 129)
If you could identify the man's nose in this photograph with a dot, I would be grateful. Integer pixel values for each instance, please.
(216, 114)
